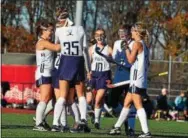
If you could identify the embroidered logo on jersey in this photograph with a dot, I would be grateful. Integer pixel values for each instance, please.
(42, 54)
(69, 32)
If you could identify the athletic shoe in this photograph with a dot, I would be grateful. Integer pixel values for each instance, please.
(84, 126)
(130, 132)
(97, 126)
(145, 135)
(115, 131)
(56, 128)
(65, 128)
(76, 128)
(45, 124)
(40, 127)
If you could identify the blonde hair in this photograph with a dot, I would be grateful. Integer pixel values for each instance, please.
(143, 32)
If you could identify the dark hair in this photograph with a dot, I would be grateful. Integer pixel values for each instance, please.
(126, 27)
(101, 29)
(44, 25)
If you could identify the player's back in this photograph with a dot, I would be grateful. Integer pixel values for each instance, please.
(72, 40)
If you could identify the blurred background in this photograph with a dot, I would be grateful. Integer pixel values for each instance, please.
(166, 21)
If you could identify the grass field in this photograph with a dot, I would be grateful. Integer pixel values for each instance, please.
(20, 125)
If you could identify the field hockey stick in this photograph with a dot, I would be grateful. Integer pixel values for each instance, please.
(118, 84)
(157, 75)
(128, 81)
(110, 59)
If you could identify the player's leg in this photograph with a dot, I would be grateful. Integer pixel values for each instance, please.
(73, 106)
(55, 85)
(130, 122)
(89, 99)
(82, 104)
(45, 96)
(63, 118)
(141, 113)
(123, 115)
(60, 104)
(99, 100)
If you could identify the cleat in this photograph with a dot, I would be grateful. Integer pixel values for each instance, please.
(40, 127)
(56, 128)
(97, 126)
(145, 135)
(115, 131)
(76, 128)
(130, 132)
(65, 128)
(45, 124)
(84, 126)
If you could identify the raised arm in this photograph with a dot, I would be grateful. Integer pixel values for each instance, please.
(131, 55)
(43, 44)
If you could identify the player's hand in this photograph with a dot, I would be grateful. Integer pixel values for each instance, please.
(89, 75)
(124, 45)
(109, 84)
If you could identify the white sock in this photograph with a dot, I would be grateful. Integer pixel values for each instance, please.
(97, 115)
(48, 109)
(40, 112)
(83, 107)
(63, 118)
(123, 116)
(143, 120)
(107, 108)
(75, 112)
(59, 107)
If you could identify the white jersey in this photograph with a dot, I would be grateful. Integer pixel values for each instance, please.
(99, 63)
(44, 63)
(72, 40)
(57, 58)
(139, 69)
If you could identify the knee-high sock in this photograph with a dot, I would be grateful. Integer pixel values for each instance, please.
(59, 107)
(63, 118)
(123, 116)
(143, 120)
(48, 109)
(40, 112)
(82, 107)
(97, 115)
(75, 112)
(131, 118)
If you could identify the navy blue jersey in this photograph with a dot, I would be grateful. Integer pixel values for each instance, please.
(121, 74)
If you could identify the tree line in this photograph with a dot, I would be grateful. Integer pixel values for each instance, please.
(166, 21)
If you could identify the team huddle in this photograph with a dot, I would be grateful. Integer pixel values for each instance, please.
(76, 63)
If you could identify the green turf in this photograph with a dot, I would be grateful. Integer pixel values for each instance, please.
(20, 125)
